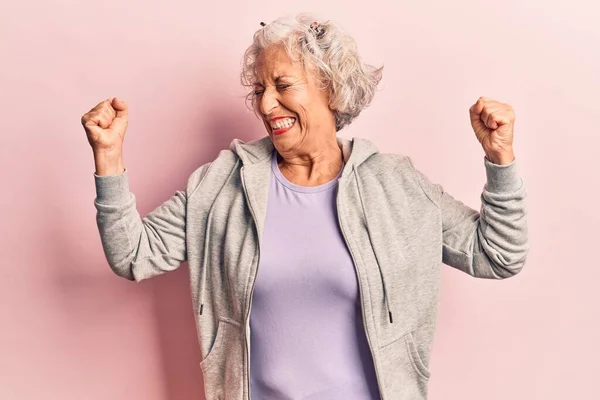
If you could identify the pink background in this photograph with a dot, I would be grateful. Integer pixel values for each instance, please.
(73, 330)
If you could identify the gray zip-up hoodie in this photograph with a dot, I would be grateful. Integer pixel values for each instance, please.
(398, 226)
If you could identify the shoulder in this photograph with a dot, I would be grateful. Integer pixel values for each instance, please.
(217, 170)
(387, 163)
(399, 171)
(390, 170)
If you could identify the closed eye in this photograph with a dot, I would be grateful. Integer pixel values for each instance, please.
(280, 87)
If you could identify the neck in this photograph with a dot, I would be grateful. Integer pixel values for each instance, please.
(312, 167)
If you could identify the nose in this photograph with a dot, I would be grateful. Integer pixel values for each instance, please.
(268, 101)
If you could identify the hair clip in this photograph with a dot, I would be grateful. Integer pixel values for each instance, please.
(318, 29)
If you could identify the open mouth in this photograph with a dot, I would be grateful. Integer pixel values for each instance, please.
(282, 125)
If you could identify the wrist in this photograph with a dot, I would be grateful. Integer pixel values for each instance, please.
(108, 164)
(503, 158)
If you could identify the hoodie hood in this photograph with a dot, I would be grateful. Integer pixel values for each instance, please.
(355, 151)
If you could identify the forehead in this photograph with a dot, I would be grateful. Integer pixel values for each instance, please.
(274, 62)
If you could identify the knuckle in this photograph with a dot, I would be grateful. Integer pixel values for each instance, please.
(104, 114)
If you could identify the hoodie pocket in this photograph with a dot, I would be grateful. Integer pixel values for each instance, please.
(217, 344)
(223, 367)
(403, 372)
(415, 358)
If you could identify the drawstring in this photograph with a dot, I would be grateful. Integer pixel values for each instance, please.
(203, 270)
(385, 292)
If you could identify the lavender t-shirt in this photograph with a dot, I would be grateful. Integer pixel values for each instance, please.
(307, 339)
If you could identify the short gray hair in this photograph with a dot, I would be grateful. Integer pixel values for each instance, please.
(350, 82)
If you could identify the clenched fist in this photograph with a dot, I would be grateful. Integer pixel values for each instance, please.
(493, 123)
(105, 126)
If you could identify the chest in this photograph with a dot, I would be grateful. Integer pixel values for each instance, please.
(303, 252)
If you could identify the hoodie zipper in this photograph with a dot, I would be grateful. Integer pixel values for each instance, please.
(360, 291)
(247, 321)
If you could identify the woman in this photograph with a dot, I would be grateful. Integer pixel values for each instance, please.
(334, 246)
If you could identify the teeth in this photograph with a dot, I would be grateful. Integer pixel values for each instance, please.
(283, 123)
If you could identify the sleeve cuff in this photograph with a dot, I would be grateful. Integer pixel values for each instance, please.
(112, 189)
(502, 178)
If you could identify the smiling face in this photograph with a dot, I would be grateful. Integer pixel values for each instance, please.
(294, 108)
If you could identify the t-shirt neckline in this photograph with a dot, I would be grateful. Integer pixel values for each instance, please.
(298, 188)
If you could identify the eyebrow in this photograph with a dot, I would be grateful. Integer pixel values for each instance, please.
(277, 79)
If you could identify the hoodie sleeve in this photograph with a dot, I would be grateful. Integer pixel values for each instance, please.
(492, 243)
(139, 248)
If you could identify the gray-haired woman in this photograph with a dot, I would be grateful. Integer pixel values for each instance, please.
(314, 260)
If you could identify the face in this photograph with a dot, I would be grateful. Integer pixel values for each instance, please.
(295, 110)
